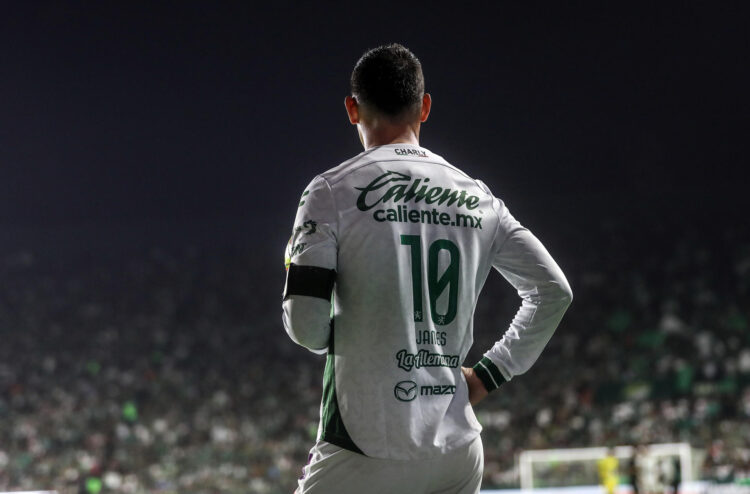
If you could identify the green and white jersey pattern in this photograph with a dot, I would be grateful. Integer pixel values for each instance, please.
(411, 240)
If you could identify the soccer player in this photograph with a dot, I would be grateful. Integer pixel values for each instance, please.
(608, 471)
(388, 255)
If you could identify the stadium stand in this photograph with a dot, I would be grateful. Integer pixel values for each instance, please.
(168, 370)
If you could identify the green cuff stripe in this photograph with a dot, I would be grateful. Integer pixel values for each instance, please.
(489, 374)
(494, 371)
(484, 376)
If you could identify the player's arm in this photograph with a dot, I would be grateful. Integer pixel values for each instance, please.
(545, 296)
(311, 269)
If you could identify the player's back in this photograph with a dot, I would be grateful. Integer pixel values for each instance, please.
(415, 238)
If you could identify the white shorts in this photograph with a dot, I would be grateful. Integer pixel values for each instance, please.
(334, 470)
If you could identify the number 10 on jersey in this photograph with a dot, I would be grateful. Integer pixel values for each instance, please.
(436, 285)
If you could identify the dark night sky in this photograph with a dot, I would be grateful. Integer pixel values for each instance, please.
(572, 113)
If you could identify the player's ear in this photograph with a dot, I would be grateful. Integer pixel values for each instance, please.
(352, 109)
(426, 106)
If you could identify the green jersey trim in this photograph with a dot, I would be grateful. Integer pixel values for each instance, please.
(334, 431)
(489, 374)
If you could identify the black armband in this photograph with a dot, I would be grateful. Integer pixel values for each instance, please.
(310, 281)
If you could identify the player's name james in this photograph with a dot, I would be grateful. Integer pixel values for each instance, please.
(423, 358)
(431, 337)
(403, 189)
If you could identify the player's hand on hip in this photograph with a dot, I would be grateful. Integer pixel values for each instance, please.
(477, 391)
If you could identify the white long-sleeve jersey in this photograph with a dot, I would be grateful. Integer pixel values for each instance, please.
(405, 241)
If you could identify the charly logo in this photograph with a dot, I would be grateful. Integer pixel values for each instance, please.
(411, 152)
(401, 188)
(302, 199)
(405, 390)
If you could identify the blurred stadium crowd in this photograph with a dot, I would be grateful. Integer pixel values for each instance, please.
(158, 370)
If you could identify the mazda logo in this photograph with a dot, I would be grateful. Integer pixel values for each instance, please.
(405, 390)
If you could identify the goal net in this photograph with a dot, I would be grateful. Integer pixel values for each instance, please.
(579, 467)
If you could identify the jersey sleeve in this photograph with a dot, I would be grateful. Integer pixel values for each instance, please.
(545, 296)
(310, 261)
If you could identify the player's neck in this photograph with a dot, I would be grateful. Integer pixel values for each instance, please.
(380, 135)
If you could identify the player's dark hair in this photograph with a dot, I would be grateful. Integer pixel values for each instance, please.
(389, 79)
